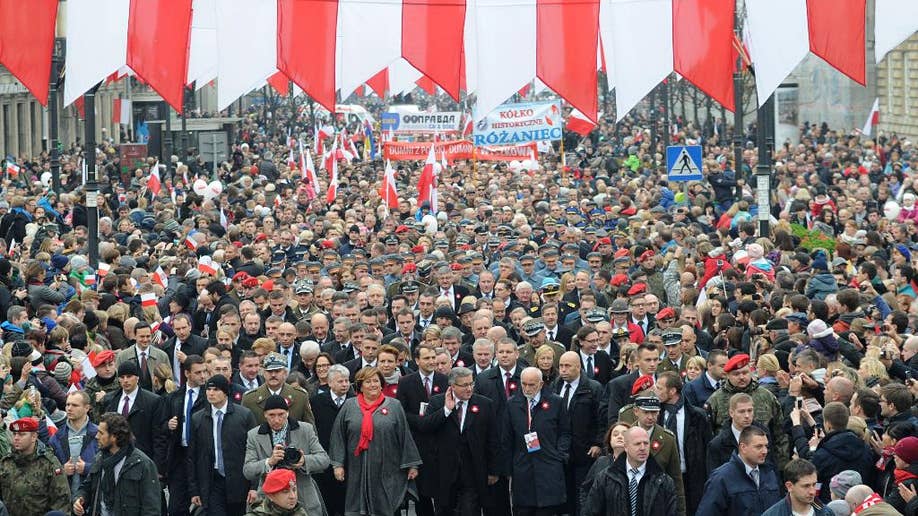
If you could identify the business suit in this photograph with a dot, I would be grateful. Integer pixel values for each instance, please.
(698, 391)
(238, 379)
(145, 418)
(297, 398)
(586, 416)
(490, 384)
(175, 454)
(194, 345)
(344, 354)
(220, 494)
(411, 393)
(458, 294)
(695, 442)
(295, 362)
(562, 335)
(602, 367)
(464, 359)
(155, 356)
(325, 412)
(618, 393)
(302, 436)
(463, 459)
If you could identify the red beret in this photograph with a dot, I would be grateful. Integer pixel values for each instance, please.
(25, 424)
(737, 362)
(268, 285)
(238, 244)
(103, 357)
(665, 313)
(455, 267)
(618, 280)
(402, 229)
(622, 253)
(327, 244)
(409, 267)
(646, 254)
(261, 237)
(250, 282)
(637, 288)
(241, 275)
(642, 383)
(418, 249)
(279, 480)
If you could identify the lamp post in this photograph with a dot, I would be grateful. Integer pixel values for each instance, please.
(763, 169)
(92, 187)
(57, 59)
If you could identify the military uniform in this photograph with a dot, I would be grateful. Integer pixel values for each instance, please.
(267, 508)
(527, 352)
(767, 412)
(34, 484)
(297, 398)
(92, 387)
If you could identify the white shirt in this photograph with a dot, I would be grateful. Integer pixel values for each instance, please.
(552, 333)
(574, 384)
(735, 432)
(503, 377)
(583, 360)
(132, 397)
(176, 364)
(640, 471)
(464, 409)
(680, 434)
(288, 356)
(213, 413)
(429, 378)
(711, 379)
(140, 360)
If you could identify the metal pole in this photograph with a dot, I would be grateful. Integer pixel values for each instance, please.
(763, 170)
(167, 135)
(653, 121)
(53, 106)
(738, 123)
(92, 187)
(667, 121)
(184, 138)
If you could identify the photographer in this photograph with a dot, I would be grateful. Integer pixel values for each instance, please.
(285, 443)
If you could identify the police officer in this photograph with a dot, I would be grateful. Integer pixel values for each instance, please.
(32, 480)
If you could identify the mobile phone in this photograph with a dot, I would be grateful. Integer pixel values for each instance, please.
(799, 402)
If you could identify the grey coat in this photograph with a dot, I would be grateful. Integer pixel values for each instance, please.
(377, 479)
(300, 435)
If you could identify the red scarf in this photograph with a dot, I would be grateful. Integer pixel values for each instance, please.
(871, 500)
(366, 427)
(902, 475)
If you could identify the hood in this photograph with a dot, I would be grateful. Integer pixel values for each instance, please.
(8, 326)
(824, 281)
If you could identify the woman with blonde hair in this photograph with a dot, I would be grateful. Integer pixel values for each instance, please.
(545, 362)
(163, 383)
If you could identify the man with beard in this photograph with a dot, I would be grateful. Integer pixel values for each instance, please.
(32, 480)
(123, 479)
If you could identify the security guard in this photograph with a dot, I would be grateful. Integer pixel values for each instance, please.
(32, 480)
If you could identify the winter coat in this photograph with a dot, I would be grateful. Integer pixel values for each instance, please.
(895, 499)
(610, 494)
(837, 452)
(783, 508)
(820, 286)
(137, 491)
(731, 492)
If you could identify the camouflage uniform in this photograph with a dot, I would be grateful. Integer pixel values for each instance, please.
(34, 484)
(767, 412)
(267, 508)
(92, 387)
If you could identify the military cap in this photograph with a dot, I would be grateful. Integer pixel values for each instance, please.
(273, 362)
(303, 287)
(532, 327)
(279, 480)
(24, 424)
(648, 403)
(409, 287)
(637, 289)
(672, 337)
(666, 313)
(391, 240)
(619, 306)
(736, 362)
(596, 315)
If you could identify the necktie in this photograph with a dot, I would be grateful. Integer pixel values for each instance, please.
(633, 491)
(567, 394)
(126, 408)
(186, 428)
(507, 384)
(427, 385)
(178, 365)
(589, 368)
(338, 402)
(144, 372)
(287, 357)
(218, 445)
(459, 414)
(551, 335)
(754, 474)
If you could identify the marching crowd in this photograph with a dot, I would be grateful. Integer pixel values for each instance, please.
(578, 336)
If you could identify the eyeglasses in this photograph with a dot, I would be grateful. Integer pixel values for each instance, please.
(463, 385)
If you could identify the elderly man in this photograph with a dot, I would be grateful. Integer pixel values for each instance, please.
(309, 351)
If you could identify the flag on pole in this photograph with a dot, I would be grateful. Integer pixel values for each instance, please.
(89, 280)
(154, 184)
(331, 165)
(873, 119)
(388, 192)
(427, 184)
(467, 124)
(12, 169)
(309, 173)
(121, 112)
(369, 143)
(190, 241)
(579, 123)
(223, 220)
(159, 277)
(103, 269)
(12, 248)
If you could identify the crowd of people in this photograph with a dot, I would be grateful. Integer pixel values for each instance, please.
(575, 336)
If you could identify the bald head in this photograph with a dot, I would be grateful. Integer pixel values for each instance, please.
(635, 433)
(569, 366)
(857, 494)
(496, 333)
(839, 389)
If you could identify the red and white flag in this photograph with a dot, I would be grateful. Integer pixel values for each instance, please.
(309, 173)
(121, 111)
(873, 119)
(159, 277)
(89, 280)
(388, 192)
(223, 220)
(331, 165)
(103, 269)
(579, 123)
(148, 299)
(207, 266)
(427, 184)
(190, 242)
(325, 132)
(467, 125)
(12, 169)
(154, 184)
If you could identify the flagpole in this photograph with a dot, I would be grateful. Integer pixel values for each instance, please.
(563, 164)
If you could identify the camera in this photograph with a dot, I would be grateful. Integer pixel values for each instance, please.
(291, 457)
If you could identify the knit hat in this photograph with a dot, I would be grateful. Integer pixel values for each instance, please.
(839, 508)
(274, 402)
(903, 250)
(818, 329)
(820, 264)
(128, 368)
(59, 261)
(754, 251)
(907, 449)
(218, 381)
(842, 482)
(78, 262)
(62, 372)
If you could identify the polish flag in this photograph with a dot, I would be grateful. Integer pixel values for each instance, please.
(103, 269)
(154, 184)
(467, 126)
(12, 169)
(89, 280)
(331, 165)
(148, 299)
(388, 192)
(207, 266)
(325, 132)
(121, 111)
(160, 278)
(190, 242)
(308, 169)
(579, 123)
(427, 184)
(873, 119)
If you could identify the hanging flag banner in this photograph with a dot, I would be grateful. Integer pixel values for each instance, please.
(439, 122)
(456, 150)
(512, 124)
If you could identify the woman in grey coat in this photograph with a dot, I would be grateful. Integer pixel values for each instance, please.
(268, 447)
(372, 449)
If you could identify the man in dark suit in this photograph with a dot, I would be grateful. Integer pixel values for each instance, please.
(697, 392)
(217, 291)
(585, 411)
(466, 431)
(325, 407)
(595, 364)
(537, 438)
(183, 344)
(692, 429)
(143, 410)
(287, 347)
(414, 392)
(405, 322)
(619, 390)
(247, 376)
(369, 347)
(451, 338)
(447, 288)
(178, 408)
(724, 444)
(554, 331)
(216, 452)
(498, 384)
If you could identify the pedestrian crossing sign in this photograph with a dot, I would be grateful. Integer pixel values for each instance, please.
(683, 163)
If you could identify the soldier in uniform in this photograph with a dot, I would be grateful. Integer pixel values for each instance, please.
(551, 293)
(535, 338)
(767, 409)
(32, 480)
(305, 300)
(276, 383)
(643, 385)
(674, 360)
(103, 383)
(280, 496)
